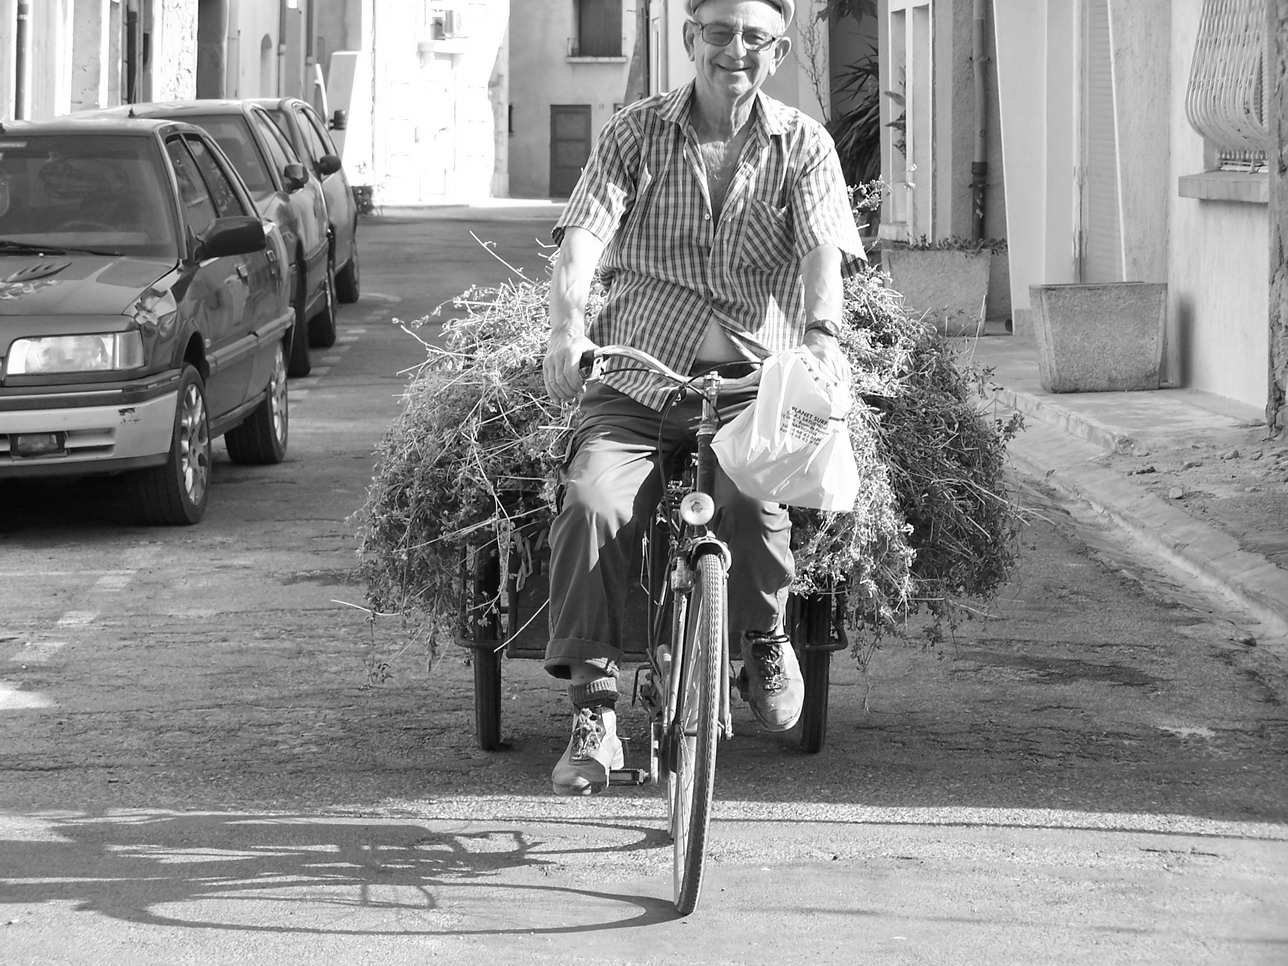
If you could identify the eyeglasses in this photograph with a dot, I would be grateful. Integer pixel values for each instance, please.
(720, 35)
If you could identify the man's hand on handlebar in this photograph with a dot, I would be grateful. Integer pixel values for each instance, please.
(561, 367)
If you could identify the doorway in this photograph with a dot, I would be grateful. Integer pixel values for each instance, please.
(569, 146)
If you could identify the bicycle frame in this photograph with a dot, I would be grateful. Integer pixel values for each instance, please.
(689, 538)
(684, 511)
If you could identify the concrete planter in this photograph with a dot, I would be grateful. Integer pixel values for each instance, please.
(1099, 337)
(947, 287)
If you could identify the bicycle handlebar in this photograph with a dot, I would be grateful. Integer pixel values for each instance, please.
(587, 364)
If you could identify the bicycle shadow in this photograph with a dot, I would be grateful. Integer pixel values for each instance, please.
(325, 876)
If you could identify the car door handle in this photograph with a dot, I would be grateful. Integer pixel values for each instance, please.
(243, 273)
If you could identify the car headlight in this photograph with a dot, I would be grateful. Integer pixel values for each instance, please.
(109, 352)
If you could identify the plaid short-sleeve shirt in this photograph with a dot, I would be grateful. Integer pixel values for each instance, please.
(670, 267)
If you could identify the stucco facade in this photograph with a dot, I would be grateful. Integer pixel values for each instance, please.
(546, 73)
(1212, 253)
(67, 55)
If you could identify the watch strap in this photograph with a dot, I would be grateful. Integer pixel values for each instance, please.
(826, 326)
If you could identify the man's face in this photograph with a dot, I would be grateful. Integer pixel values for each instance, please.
(733, 72)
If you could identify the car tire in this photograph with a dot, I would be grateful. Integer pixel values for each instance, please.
(176, 493)
(262, 438)
(348, 281)
(300, 364)
(322, 325)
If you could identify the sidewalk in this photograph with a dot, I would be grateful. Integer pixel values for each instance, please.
(1190, 477)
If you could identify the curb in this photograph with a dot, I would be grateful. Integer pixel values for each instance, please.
(1044, 451)
(1067, 421)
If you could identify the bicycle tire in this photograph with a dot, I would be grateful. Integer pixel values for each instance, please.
(696, 729)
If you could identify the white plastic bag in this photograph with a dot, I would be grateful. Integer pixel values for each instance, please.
(792, 444)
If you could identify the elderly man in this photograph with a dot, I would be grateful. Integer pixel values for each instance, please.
(720, 223)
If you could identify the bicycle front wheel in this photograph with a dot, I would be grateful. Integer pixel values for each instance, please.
(695, 729)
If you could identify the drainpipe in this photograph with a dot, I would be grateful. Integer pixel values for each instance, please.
(979, 166)
(281, 47)
(22, 39)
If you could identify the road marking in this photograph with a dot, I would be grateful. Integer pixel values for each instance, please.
(77, 618)
(12, 699)
(56, 573)
(38, 652)
(332, 359)
(113, 582)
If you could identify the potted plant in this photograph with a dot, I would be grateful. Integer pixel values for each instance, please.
(1099, 337)
(943, 281)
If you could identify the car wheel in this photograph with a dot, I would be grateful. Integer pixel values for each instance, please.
(176, 493)
(300, 364)
(322, 325)
(262, 438)
(348, 283)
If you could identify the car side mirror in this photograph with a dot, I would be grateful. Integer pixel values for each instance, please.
(295, 175)
(339, 121)
(235, 235)
(328, 164)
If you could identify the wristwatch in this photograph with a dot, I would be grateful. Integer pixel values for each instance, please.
(826, 326)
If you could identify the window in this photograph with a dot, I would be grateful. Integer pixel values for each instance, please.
(221, 189)
(232, 134)
(198, 207)
(279, 150)
(1226, 97)
(313, 136)
(599, 28)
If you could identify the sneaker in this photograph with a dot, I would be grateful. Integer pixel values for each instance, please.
(593, 751)
(775, 687)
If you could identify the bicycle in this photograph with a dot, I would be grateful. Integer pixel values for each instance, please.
(683, 677)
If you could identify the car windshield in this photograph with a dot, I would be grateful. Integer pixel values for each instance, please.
(102, 193)
(232, 133)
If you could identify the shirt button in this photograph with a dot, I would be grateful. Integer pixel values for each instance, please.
(707, 217)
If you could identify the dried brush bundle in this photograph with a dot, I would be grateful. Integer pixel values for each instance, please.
(472, 457)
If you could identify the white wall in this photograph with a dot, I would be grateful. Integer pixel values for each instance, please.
(174, 50)
(1219, 261)
(433, 116)
(250, 74)
(543, 75)
(1020, 31)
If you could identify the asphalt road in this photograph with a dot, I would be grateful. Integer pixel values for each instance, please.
(195, 768)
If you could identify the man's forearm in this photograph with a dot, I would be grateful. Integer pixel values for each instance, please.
(824, 293)
(570, 282)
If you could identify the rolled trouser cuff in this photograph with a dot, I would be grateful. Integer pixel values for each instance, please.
(593, 694)
(561, 655)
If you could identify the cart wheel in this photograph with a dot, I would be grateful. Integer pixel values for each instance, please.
(486, 635)
(816, 668)
(487, 698)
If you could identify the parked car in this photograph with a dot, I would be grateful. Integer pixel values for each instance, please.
(144, 310)
(311, 138)
(284, 192)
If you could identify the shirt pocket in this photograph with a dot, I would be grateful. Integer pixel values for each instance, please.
(640, 202)
(767, 236)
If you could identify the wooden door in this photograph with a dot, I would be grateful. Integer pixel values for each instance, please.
(569, 146)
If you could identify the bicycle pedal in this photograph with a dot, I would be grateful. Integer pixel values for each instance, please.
(628, 776)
